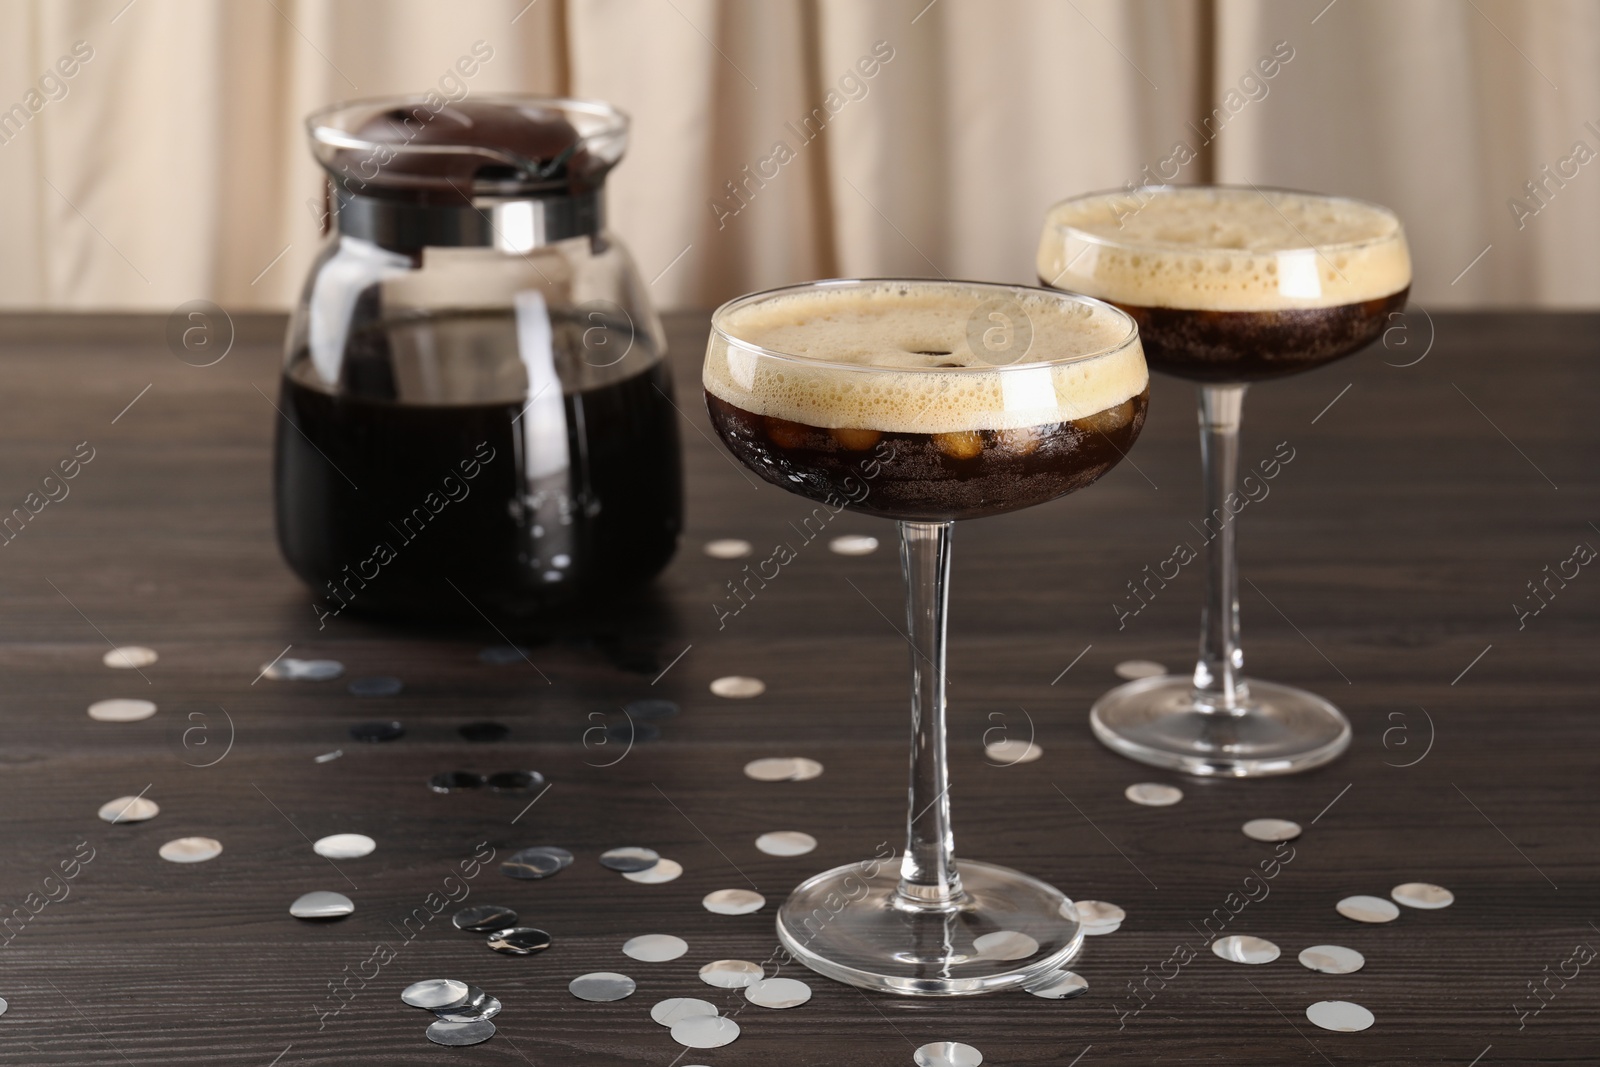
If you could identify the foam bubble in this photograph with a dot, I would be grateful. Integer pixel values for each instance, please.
(1224, 249)
(923, 357)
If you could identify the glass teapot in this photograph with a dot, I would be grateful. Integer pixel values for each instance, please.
(477, 414)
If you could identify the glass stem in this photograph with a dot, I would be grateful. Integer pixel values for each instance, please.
(1218, 685)
(928, 878)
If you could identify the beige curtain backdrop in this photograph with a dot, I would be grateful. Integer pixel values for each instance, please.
(171, 164)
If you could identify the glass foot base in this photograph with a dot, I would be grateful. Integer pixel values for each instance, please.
(1284, 730)
(1009, 931)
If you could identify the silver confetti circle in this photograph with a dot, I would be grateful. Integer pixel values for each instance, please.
(705, 1031)
(805, 769)
(541, 861)
(129, 809)
(121, 710)
(322, 904)
(457, 1035)
(1423, 895)
(1062, 986)
(733, 901)
(782, 769)
(738, 687)
(777, 993)
(947, 1054)
(1011, 752)
(731, 974)
(602, 986)
(630, 858)
(3, 1006)
(1271, 830)
(1153, 794)
(1005, 945)
(303, 670)
(1101, 930)
(1242, 948)
(484, 918)
(664, 870)
(1340, 1016)
(654, 948)
(786, 843)
(1332, 959)
(728, 548)
(1365, 909)
(670, 1011)
(1093, 912)
(518, 941)
(344, 846)
(1132, 669)
(435, 993)
(476, 1008)
(129, 657)
(853, 545)
(191, 849)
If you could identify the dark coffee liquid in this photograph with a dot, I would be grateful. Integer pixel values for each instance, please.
(1251, 346)
(383, 505)
(930, 477)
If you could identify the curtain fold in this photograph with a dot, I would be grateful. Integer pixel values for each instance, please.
(780, 140)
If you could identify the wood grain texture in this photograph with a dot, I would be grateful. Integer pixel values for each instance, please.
(1391, 550)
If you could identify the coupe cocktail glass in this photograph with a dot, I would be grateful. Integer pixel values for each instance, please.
(926, 402)
(1229, 285)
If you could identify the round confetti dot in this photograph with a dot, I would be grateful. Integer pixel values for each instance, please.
(734, 902)
(529, 864)
(1098, 931)
(121, 710)
(1242, 948)
(1332, 959)
(191, 850)
(654, 948)
(665, 870)
(673, 1009)
(731, 974)
(455, 781)
(1364, 909)
(435, 993)
(129, 809)
(705, 1031)
(1132, 669)
(477, 1009)
(1009, 752)
(777, 993)
(1063, 986)
(518, 941)
(805, 769)
(1153, 794)
(728, 548)
(1005, 945)
(514, 781)
(738, 687)
(460, 1035)
(484, 918)
(1094, 912)
(378, 685)
(302, 670)
(1340, 1016)
(322, 905)
(853, 545)
(1423, 895)
(129, 657)
(344, 846)
(629, 858)
(1271, 830)
(602, 986)
(947, 1054)
(786, 843)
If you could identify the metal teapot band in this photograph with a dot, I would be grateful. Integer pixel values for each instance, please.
(509, 225)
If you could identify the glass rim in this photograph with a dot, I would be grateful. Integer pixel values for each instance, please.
(719, 316)
(1159, 188)
(614, 120)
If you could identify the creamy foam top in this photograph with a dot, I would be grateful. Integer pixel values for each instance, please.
(864, 357)
(1224, 249)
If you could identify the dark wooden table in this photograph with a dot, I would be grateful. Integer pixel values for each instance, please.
(1383, 572)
